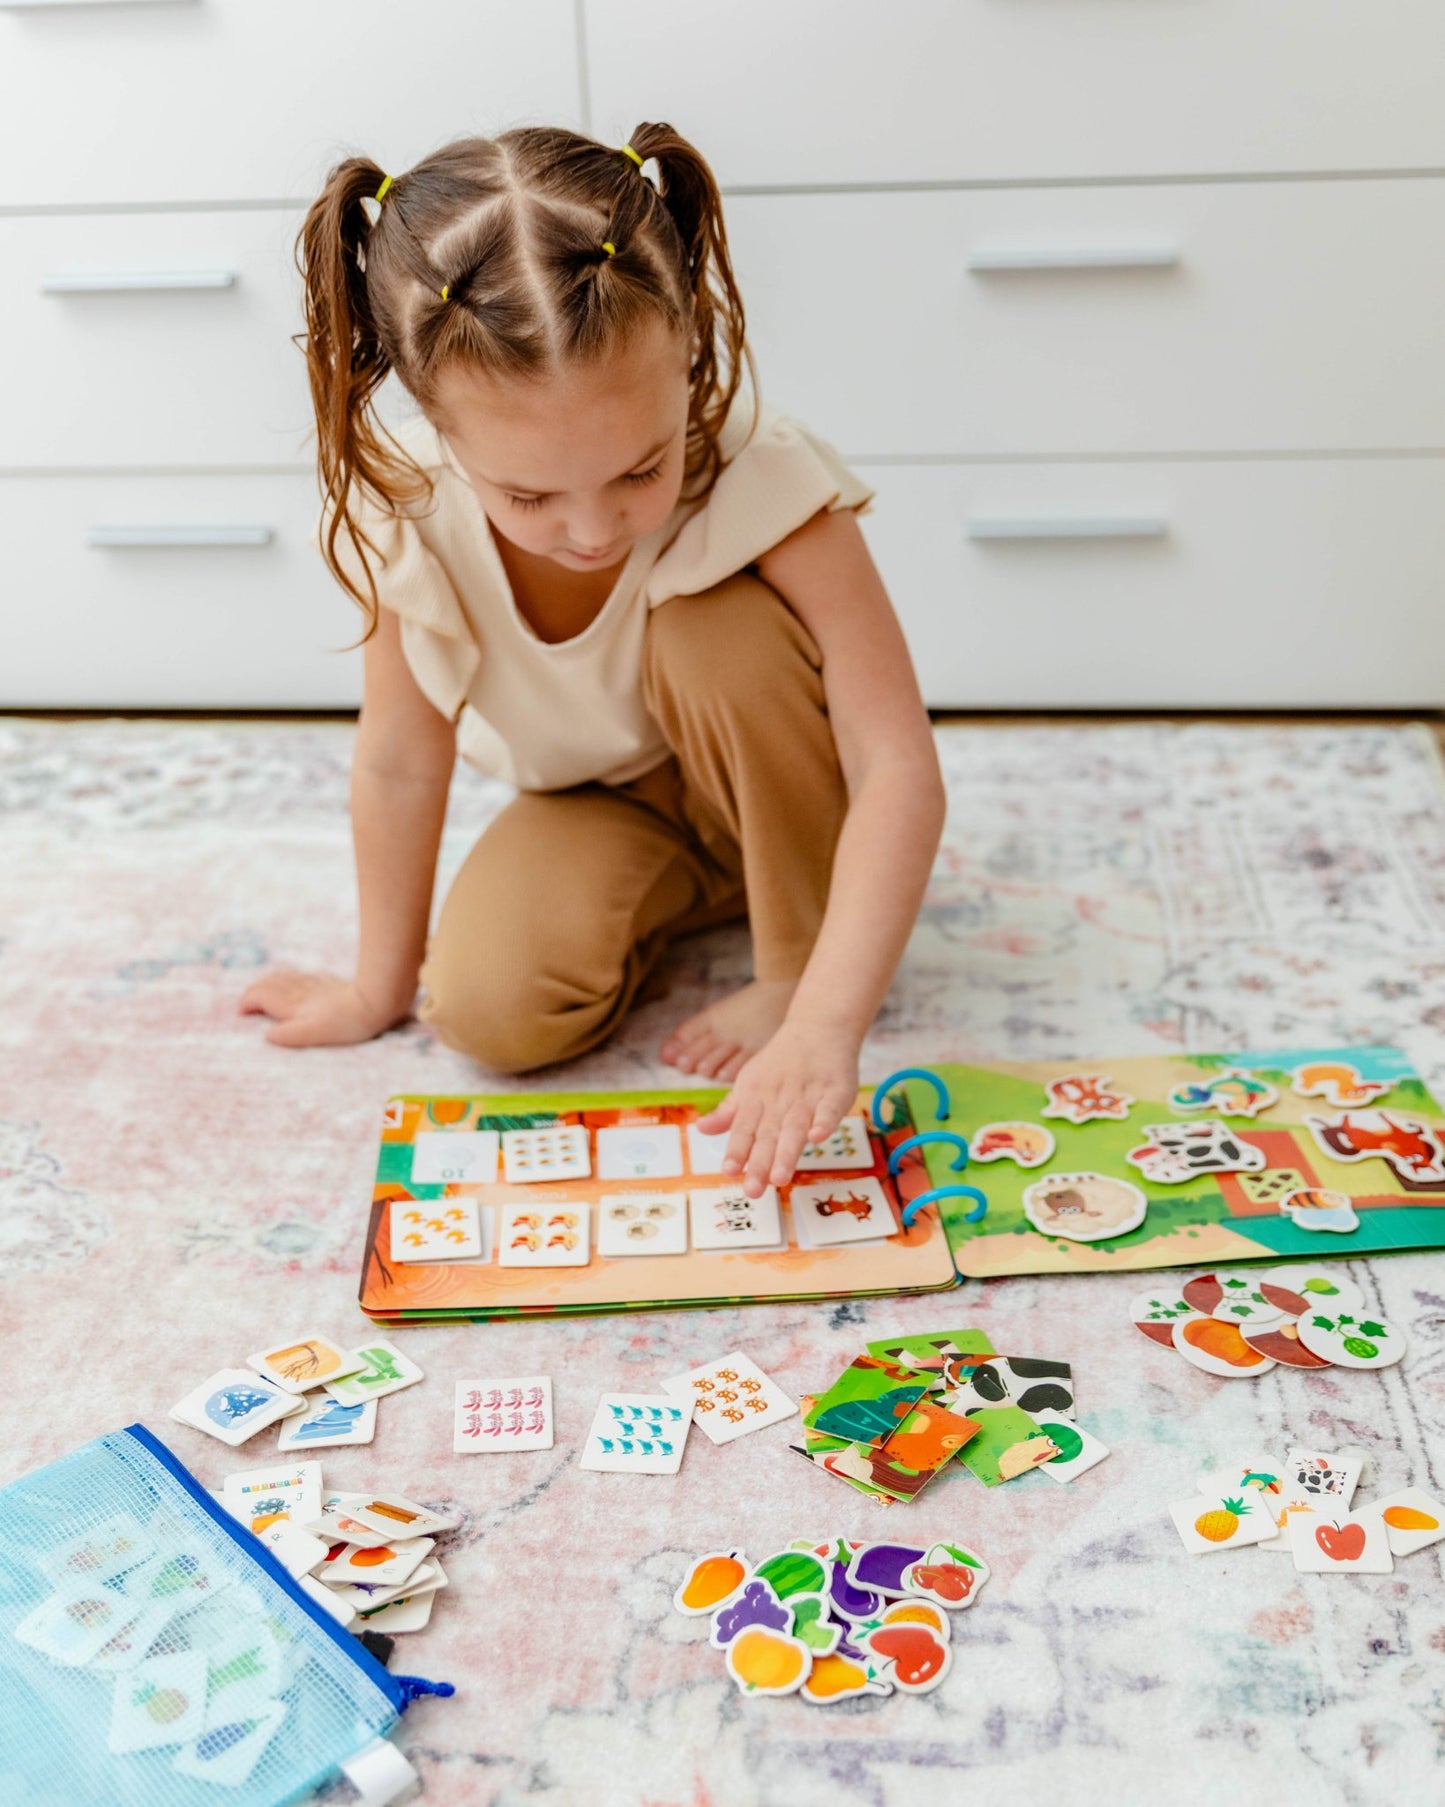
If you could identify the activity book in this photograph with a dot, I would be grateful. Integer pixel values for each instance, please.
(496, 1206)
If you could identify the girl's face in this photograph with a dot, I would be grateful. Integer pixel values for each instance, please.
(579, 465)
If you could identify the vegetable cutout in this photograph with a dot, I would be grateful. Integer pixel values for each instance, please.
(1408, 1518)
(811, 1625)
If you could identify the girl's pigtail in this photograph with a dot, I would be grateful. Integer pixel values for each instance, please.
(720, 353)
(346, 364)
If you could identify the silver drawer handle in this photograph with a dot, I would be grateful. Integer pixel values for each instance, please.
(1073, 257)
(1066, 527)
(114, 282)
(187, 535)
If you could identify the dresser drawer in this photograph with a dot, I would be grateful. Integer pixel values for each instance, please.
(256, 99)
(153, 339)
(1293, 316)
(1273, 584)
(246, 618)
(854, 91)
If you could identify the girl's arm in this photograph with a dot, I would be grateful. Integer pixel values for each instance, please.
(400, 775)
(797, 1087)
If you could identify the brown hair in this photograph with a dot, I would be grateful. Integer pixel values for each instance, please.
(547, 246)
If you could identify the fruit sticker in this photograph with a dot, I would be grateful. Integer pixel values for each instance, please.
(755, 1605)
(1205, 1525)
(1025, 1144)
(1337, 1082)
(837, 1677)
(160, 1701)
(792, 1572)
(1350, 1341)
(920, 1612)
(1086, 1098)
(1320, 1208)
(711, 1582)
(1412, 1520)
(1084, 1207)
(1322, 1545)
(1174, 1153)
(1232, 1093)
(1218, 1349)
(951, 1574)
(763, 1661)
(916, 1656)
(1411, 1147)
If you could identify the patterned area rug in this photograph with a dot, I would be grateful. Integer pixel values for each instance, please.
(173, 1192)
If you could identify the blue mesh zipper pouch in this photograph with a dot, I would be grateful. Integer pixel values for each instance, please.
(154, 1654)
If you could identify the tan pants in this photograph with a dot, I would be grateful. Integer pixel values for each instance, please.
(569, 898)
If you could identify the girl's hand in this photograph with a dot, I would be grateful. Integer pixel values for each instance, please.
(795, 1090)
(314, 1010)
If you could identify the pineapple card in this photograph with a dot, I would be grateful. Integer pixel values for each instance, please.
(1204, 1525)
(162, 1701)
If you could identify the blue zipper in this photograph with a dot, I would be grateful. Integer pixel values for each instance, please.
(400, 1690)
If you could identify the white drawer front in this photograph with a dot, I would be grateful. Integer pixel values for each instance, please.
(858, 91)
(1275, 584)
(256, 99)
(153, 339)
(229, 606)
(1292, 316)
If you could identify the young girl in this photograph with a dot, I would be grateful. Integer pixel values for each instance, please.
(592, 569)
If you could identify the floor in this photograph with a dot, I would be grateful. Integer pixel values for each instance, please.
(172, 1191)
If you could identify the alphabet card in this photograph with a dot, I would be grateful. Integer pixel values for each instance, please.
(466, 1157)
(557, 1234)
(731, 1396)
(854, 1210)
(726, 1218)
(557, 1153)
(637, 1433)
(502, 1415)
(441, 1229)
(1324, 1542)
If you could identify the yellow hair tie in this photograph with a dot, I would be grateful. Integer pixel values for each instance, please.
(446, 294)
(381, 192)
(628, 151)
(609, 247)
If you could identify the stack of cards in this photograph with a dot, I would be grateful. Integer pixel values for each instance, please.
(375, 1569)
(1303, 1506)
(854, 1211)
(236, 1403)
(905, 1411)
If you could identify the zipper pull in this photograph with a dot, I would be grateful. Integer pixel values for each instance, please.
(413, 1687)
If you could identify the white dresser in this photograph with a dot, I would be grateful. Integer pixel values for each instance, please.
(1129, 309)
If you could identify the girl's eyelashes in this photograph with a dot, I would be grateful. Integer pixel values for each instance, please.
(648, 476)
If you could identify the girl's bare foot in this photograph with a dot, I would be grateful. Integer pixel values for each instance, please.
(715, 1043)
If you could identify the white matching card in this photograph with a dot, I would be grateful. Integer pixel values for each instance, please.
(848, 1146)
(384, 1369)
(838, 1211)
(502, 1415)
(705, 1153)
(642, 1223)
(637, 1433)
(1326, 1541)
(555, 1234)
(160, 1701)
(726, 1218)
(731, 1396)
(259, 1497)
(557, 1153)
(330, 1425)
(441, 1229)
(465, 1157)
(233, 1405)
(304, 1362)
(642, 1151)
(1205, 1525)
(386, 1566)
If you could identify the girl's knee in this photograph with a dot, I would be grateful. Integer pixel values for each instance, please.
(738, 638)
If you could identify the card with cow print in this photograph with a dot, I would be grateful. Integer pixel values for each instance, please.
(851, 1210)
(725, 1218)
(1031, 1382)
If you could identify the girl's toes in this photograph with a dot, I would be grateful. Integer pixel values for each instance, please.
(711, 1064)
(730, 1068)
